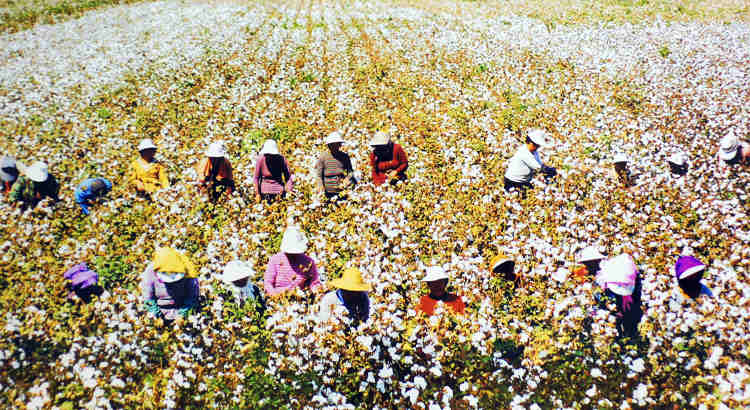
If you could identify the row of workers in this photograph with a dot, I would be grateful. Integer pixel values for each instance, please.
(334, 171)
(273, 177)
(526, 162)
(170, 287)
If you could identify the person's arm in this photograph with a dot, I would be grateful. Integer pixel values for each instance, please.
(163, 180)
(314, 276)
(147, 291)
(269, 279)
(200, 169)
(289, 186)
(136, 179)
(257, 174)
(401, 161)
(319, 169)
(16, 193)
(191, 301)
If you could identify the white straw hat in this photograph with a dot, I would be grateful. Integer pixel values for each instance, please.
(216, 150)
(146, 144)
(270, 147)
(38, 172)
(380, 138)
(620, 157)
(293, 241)
(678, 159)
(7, 162)
(435, 273)
(334, 137)
(236, 270)
(539, 137)
(170, 277)
(590, 253)
(729, 147)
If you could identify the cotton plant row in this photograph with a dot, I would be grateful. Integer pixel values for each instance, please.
(391, 234)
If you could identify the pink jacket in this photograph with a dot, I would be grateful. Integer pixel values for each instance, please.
(267, 185)
(282, 276)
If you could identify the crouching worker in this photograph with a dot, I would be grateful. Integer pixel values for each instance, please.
(504, 267)
(215, 172)
(147, 175)
(236, 277)
(169, 285)
(689, 271)
(437, 280)
(8, 173)
(35, 185)
(89, 190)
(351, 294)
(620, 281)
(388, 160)
(82, 283)
(526, 162)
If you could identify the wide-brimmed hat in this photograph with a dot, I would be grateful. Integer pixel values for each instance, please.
(7, 162)
(539, 137)
(618, 275)
(500, 260)
(294, 241)
(435, 273)
(729, 146)
(380, 138)
(334, 138)
(38, 172)
(590, 253)
(270, 147)
(216, 150)
(620, 157)
(351, 279)
(145, 144)
(236, 270)
(687, 266)
(678, 159)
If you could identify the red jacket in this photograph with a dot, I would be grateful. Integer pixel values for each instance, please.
(399, 163)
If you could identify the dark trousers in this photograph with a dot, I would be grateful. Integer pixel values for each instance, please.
(521, 186)
(216, 188)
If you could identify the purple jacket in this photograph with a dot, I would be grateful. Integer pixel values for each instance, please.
(170, 298)
(81, 277)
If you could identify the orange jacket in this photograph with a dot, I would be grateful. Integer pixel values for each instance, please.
(203, 168)
(427, 304)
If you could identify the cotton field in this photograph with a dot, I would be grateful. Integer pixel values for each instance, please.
(457, 84)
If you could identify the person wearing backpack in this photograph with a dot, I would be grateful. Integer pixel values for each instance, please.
(273, 178)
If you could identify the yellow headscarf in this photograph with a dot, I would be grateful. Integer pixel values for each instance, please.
(171, 261)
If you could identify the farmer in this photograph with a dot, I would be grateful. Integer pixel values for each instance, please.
(8, 173)
(273, 178)
(526, 162)
(437, 280)
(689, 271)
(35, 185)
(236, 277)
(82, 283)
(678, 165)
(621, 283)
(621, 171)
(147, 175)
(291, 268)
(215, 171)
(504, 266)
(351, 294)
(89, 190)
(591, 259)
(388, 160)
(333, 171)
(733, 152)
(169, 285)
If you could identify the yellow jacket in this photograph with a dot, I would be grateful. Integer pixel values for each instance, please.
(146, 176)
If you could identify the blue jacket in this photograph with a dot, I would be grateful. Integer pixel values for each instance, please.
(84, 193)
